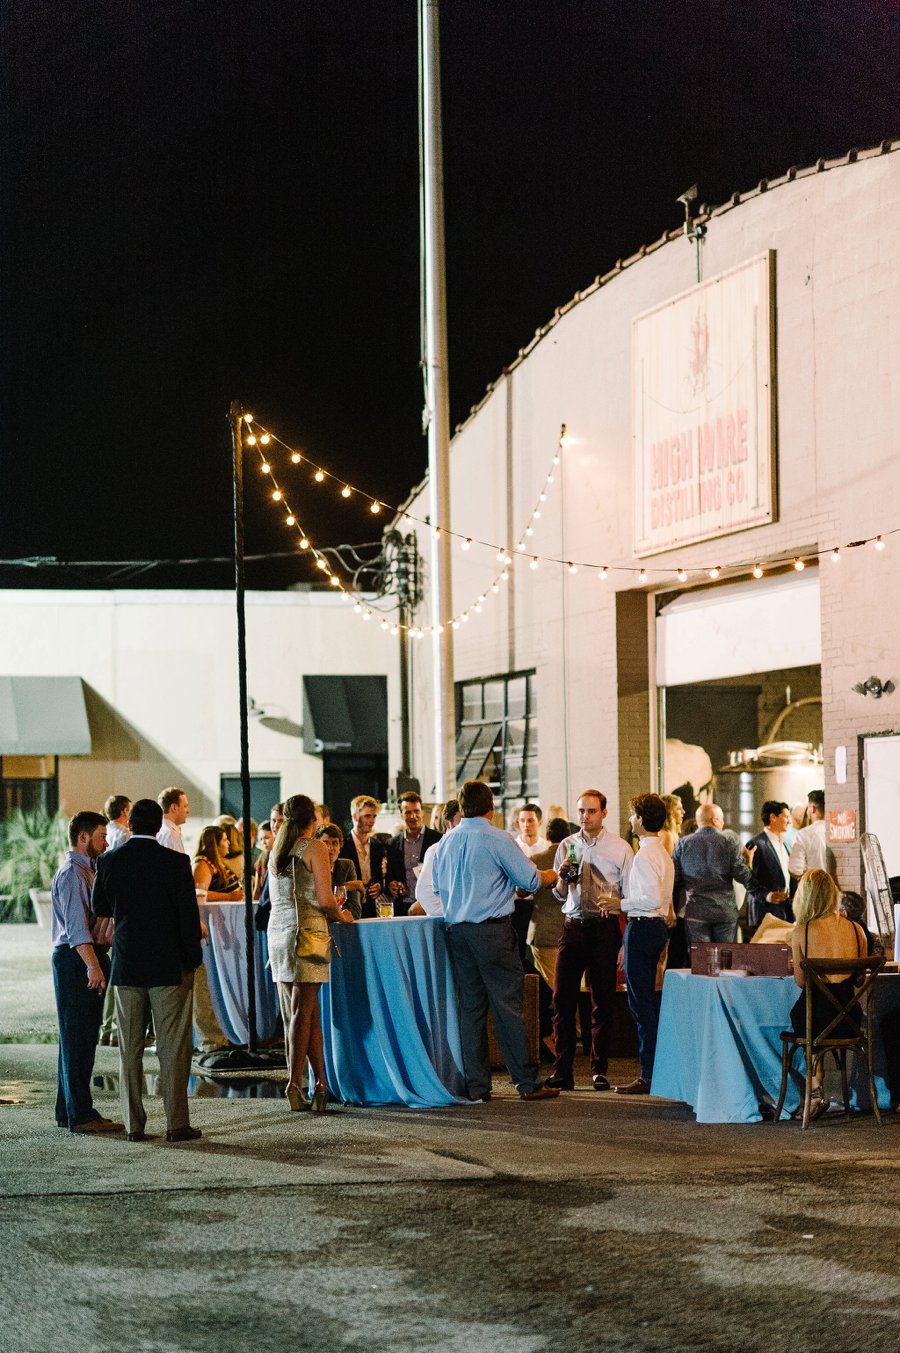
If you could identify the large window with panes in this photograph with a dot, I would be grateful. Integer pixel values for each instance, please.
(496, 736)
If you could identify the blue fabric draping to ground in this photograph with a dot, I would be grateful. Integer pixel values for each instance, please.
(719, 1046)
(225, 960)
(390, 1016)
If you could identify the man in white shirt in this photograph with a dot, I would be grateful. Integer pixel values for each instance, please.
(116, 810)
(810, 846)
(427, 902)
(648, 904)
(593, 868)
(175, 806)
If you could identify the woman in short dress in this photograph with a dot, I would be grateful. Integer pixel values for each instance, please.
(820, 931)
(301, 897)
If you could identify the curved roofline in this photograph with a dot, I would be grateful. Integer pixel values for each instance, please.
(821, 166)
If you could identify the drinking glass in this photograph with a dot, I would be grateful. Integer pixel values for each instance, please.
(384, 907)
(340, 895)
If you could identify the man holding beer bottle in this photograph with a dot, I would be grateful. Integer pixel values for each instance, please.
(593, 868)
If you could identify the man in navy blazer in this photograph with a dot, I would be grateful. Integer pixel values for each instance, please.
(771, 887)
(406, 852)
(367, 853)
(149, 891)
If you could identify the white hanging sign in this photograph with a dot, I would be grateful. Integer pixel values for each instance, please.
(704, 410)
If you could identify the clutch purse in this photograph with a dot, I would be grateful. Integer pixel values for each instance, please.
(312, 945)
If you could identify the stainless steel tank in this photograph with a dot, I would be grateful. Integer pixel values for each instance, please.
(785, 771)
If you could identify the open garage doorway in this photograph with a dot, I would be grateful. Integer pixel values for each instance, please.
(738, 726)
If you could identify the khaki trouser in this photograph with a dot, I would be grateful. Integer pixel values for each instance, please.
(209, 1031)
(171, 1007)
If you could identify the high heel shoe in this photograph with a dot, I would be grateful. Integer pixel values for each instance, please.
(295, 1099)
(320, 1098)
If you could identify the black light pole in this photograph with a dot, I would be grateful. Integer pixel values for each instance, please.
(236, 417)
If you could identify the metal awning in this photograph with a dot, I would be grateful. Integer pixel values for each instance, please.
(43, 716)
(345, 714)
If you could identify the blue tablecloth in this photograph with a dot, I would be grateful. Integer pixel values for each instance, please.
(390, 1017)
(225, 960)
(719, 1045)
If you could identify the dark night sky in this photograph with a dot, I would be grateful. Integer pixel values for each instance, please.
(210, 200)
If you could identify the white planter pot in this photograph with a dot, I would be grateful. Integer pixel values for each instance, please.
(41, 901)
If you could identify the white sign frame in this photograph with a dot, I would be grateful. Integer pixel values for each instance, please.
(703, 410)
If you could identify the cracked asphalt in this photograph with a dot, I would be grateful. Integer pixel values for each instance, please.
(589, 1223)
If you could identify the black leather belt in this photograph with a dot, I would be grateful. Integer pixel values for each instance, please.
(591, 920)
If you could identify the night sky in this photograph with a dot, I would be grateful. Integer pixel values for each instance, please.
(205, 200)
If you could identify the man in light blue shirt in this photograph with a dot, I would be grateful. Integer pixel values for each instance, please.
(80, 973)
(476, 868)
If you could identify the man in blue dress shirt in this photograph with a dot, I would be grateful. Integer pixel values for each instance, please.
(80, 974)
(476, 869)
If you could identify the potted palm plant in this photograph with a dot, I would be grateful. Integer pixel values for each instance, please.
(32, 843)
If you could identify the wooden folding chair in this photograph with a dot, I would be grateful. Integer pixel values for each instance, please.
(864, 971)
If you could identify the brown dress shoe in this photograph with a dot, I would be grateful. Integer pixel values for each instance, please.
(135, 1136)
(635, 1087)
(542, 1092)
(185, 1134)
(98, 1125)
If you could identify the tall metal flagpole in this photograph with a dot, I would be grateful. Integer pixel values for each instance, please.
(235, 417)
(437, 402)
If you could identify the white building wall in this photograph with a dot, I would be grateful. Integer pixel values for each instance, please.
(160, 670)
(838, 400)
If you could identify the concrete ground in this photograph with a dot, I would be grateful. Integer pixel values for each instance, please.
(590, 1222)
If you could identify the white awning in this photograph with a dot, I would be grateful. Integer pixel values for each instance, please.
(43, 716)
(734, 630)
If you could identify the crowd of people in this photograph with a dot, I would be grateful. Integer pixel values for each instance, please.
(572, 902)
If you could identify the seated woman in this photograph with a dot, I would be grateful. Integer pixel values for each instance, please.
(343, 872)
(820, 931)
(234, 852)
(211, 870)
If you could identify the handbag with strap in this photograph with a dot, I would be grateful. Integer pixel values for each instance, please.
(312, 945)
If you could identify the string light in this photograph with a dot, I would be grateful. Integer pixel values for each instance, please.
(262, 437)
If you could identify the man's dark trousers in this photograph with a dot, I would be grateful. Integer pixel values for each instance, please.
(79, 1013)
(592, 947)
(485, 958)
(644, 942)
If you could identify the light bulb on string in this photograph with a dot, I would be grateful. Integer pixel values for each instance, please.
(550, 479)
(504, 576)
(799, 565)
(439, 629)
(290, 520)
(357, 609)
(375, 508)
(543, 497)
(334, 580)
(835, 556)
(251, 440)
(467, 543)
(465, 617)
(878, 543)
(495, 587)
(536, 514)
(603, 574)
(345, 491)
(529, 530)
(319, 477)
(713, 573)
(265, 439)
(681, 576)
(407, 519)
(573, 568)
(394, 629)
(296, 458)
(757, 570)
(367, 615)
(535, 563)
(454, 624)
(304, 543)
(642, 576)
(436, 533)
(276, 495)
(248, 417)
(266, 467)
(321, 563)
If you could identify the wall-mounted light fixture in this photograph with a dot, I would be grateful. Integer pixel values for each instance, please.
(875, 687)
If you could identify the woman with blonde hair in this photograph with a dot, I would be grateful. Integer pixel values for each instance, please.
(211, 870)
(299, 952)
(670, 831)
(820, 931)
